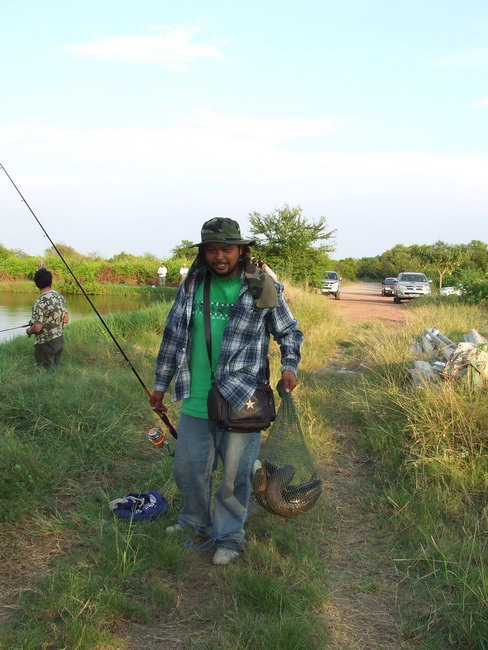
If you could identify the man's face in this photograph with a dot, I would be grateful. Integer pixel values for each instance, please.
(223, 259)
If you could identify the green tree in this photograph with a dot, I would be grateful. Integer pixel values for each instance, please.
(291, 244)
(445, 258)
(183, 251)
(476, 259)
(370, 268)
(64, 249)
(348, 268)
(399, 258)
(123, 257)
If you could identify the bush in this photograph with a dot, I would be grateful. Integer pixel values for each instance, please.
(91, 271)
(476, 292)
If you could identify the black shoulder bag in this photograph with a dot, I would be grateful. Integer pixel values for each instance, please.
(258, 412)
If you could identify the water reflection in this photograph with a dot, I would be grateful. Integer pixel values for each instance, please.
(15, 308)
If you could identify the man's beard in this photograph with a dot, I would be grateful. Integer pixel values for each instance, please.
(224, 274)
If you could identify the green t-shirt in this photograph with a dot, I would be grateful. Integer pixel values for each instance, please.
(223, 295)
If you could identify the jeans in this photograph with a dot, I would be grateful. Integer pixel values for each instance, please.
(200, 444)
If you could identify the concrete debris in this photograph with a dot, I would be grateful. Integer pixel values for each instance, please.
(417, 350)
(467, 360)
(439, 366)
(423, 372)
(440, 343)
(427, 347)
(475, 337)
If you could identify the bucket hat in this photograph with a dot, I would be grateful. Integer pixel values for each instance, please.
(222, 230)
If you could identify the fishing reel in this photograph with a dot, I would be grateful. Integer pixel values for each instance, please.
(157, 437)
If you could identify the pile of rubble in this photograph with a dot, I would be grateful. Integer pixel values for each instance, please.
(449, 360)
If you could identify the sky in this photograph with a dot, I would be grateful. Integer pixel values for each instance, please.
(126, 125)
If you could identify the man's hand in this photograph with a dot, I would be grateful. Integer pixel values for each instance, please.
(156, 401)
(289, 380)
(35, 328)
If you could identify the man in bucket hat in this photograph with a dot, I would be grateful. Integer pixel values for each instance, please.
(246, 307)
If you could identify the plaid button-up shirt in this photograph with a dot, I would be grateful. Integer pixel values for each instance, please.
(244, 348)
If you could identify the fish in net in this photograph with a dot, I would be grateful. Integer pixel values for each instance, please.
(284, 458)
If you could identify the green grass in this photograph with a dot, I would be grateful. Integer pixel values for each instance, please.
(73, 440)
(430, 446)
(18, 286)
(28, 286)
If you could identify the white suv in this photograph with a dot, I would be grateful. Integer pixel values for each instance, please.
(331, 284)
(411, 285)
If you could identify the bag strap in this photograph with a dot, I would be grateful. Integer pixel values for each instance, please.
(206, 320)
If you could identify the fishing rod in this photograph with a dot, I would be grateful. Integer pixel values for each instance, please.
(9, 329)
(163, 416)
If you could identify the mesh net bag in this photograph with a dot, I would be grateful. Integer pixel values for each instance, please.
(285, 480)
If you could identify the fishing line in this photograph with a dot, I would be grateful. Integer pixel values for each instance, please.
(163, 416)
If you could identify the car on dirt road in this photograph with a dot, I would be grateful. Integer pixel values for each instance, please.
(388, 287)
(411, 285)
(331, 285)
(452, 291)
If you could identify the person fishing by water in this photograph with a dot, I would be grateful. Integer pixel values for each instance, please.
(246, 307)
(49, 316)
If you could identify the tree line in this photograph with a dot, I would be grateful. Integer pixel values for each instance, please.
(442, 262)
(297, 248)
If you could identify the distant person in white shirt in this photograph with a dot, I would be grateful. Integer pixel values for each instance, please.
(183, 272)
(162, 273)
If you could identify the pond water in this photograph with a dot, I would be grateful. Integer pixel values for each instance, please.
(16, 308)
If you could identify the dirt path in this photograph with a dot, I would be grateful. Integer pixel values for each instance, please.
(363, 603)
(362, 610)
(363, 301)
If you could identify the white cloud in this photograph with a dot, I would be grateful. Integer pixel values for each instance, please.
(169, 47)
(206, 146)
(472, 58)
(200, 144)
(157, 185)
(481, 103)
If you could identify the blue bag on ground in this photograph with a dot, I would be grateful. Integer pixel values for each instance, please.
(139, 506)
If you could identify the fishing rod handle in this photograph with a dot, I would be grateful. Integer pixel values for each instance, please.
(162, 415)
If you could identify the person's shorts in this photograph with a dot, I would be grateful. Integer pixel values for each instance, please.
(48, 354)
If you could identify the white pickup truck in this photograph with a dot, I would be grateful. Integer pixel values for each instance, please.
(411, 285)
(331, 284)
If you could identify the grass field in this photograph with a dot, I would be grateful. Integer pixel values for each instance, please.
(74, 439)
(430, 449)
